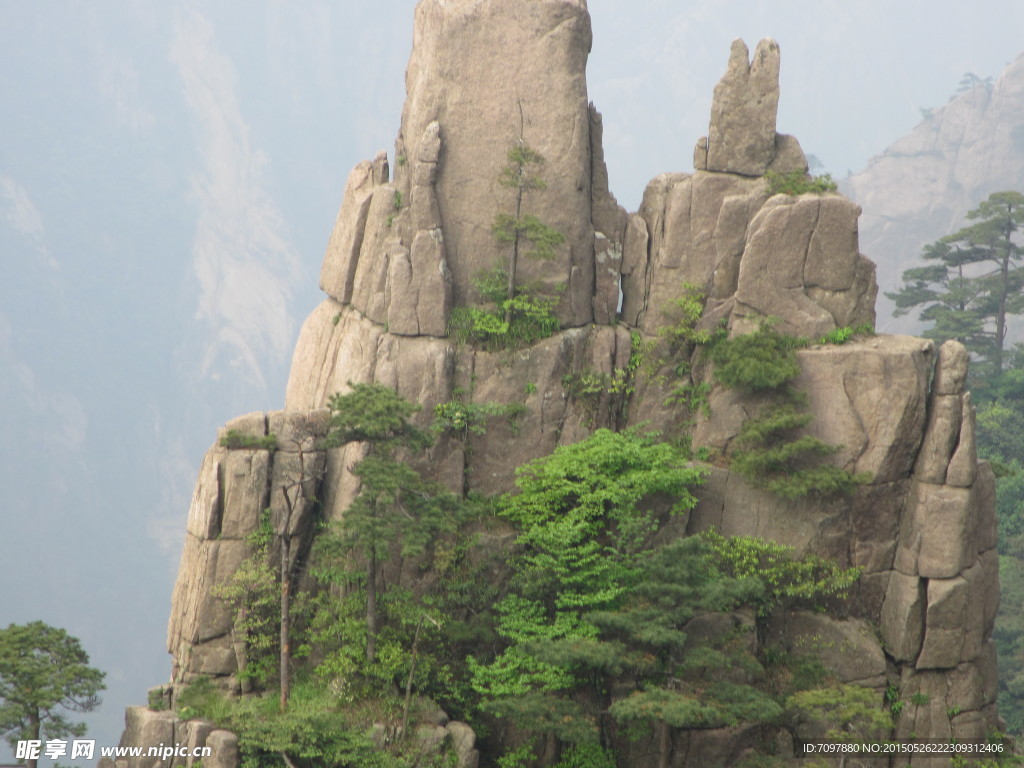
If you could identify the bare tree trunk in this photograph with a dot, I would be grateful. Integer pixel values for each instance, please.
(1004, 289)
(408, 681)
(285, 659)
(34, 726)
(664, 746)
(371, 607)
(513, 259)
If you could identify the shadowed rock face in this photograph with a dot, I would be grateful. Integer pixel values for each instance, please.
(404, 251)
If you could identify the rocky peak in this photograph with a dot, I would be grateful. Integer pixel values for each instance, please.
(482, 78)
(486, 75)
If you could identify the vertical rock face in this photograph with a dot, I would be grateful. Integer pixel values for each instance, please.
(482, 78)
(484, 75)
(492, 75)
(741, 138)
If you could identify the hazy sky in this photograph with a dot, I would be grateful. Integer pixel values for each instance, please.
(169, 176)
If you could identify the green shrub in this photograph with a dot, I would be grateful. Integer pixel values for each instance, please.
(770, 451)
(462, 419)
(844, 334)
(682, 316)
(756, 362)
(157, 699)
(531, 316)
(236, 439)
(202, 699)
(798, 183)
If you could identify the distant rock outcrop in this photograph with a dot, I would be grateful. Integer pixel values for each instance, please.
(921, 187)
(404, 252)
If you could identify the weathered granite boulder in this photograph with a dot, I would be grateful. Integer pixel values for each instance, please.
(801, 265)
(847, 647)
(741, 138)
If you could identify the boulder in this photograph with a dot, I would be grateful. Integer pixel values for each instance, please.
(938, 534)
(224, 750)
(963, 464)
(741, 136)
(339, 267)
(336, 345)
(848, 648)
(902, 619)
(869, 398)
(728, 504)
(789, 156)
(800, 265)
(380, 243)
(951, 368)
(608, 264)
(924, 711)
(940, 438)
(634, 268)
(245, 476)
(463, 743)
(874, 525)
(944, 623)
(693, 234)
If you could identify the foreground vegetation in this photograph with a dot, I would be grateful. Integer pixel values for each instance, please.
(581, 633)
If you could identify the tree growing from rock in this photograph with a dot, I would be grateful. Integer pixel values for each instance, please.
(520, 316)
(261, 600)
(44, 672)
(395, 505)
(517, 228)
(974, 281)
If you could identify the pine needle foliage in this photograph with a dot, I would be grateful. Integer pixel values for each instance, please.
(514, 315)
(757, 362)
(396, 508)
(799, 183)
(253, 593)
(972, 282)
(772, 450)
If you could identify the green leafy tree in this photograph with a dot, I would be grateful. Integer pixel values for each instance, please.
(585, 517)
(254, 594)
(395, 505)
(973, 281)
(44, 672)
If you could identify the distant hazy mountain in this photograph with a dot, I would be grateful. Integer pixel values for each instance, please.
(921, 187)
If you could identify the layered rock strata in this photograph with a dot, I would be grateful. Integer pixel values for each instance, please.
(405, 250)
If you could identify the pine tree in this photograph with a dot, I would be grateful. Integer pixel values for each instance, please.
(517, 228)
(975, 281)
(44, 672)
(395, 505)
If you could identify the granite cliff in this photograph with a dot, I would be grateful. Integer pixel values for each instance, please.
(403, 254)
